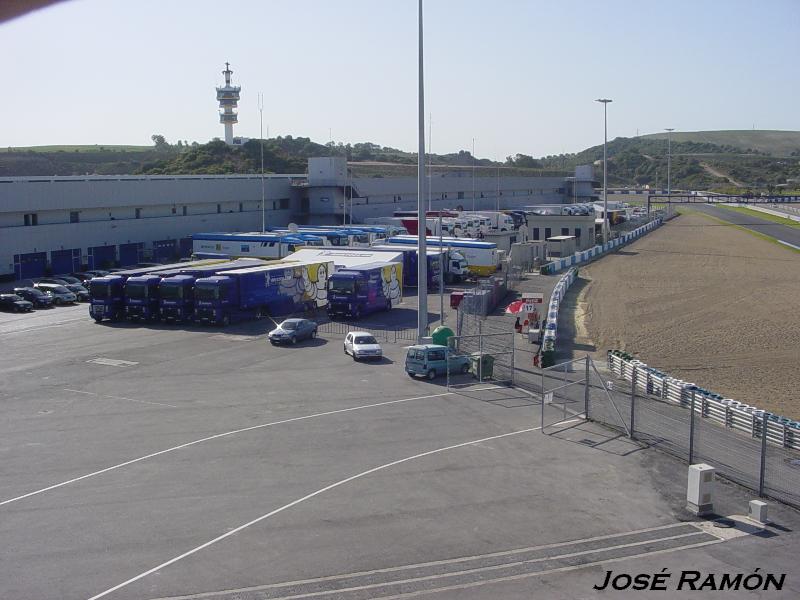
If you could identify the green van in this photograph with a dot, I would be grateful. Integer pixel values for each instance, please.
(432, 360)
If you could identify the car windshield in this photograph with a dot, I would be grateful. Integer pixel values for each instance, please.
(69, 279)
(60, 289)
(365, 339)
(416, 354)
(340, 286)
(289, 325)
(206, 292)
(171, 292)
(137, 291)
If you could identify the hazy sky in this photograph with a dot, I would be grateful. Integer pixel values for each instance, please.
(518, 76)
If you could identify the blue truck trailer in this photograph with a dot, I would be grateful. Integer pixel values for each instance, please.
(276, 289)
(455, 266)
(357, 291)
(176, 288)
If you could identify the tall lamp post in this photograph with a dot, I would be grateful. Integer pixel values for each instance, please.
(669, 131)
(422, 262)
(605, 102)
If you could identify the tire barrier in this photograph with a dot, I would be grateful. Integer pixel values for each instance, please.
(712, 407)
(587, 255)
(551, 322)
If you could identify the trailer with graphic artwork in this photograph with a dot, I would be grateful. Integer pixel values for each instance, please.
(276, 290)
(357, 291)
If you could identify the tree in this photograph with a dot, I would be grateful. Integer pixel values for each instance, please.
(524, 161)
(159, 141)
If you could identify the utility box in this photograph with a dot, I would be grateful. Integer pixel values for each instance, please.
(700, 489)
(757, 512)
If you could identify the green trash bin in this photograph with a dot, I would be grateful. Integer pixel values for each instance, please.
(441, 334)
(486, 363)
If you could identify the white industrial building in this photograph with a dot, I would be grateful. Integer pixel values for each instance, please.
(61, 224)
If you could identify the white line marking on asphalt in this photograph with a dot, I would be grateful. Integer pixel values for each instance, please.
(117, 398)
(451, 561)
(212, 437)
(112, 362)
(303, 499)
(788, 244)
(59, 324)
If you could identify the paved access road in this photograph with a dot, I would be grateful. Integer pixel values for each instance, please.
(784, 233)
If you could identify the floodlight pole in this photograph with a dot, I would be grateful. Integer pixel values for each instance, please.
(261, 138)
(605, 102)
(669, 131)
(422, 254)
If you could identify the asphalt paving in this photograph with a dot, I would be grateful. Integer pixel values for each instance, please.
(161, 462)
(778, 231)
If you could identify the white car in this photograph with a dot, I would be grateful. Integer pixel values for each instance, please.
(360, 344)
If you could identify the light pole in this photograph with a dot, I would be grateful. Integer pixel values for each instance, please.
(261, 137)
(422, 254)
(473, 174)
(669, 131)
(605, 102)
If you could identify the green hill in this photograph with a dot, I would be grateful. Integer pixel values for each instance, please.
(774, 143)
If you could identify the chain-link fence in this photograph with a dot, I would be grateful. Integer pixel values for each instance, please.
(747, 448)
(490, 357)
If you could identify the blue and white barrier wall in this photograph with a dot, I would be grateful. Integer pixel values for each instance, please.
(551, 321)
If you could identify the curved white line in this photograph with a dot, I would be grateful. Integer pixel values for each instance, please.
(303, 499)
(214, 437)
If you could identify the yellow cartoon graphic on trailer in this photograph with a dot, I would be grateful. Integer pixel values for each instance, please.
(392, 277)
(315, 283)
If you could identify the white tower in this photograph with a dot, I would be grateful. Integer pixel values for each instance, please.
(228, 97)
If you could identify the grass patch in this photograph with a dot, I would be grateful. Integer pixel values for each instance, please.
(758, 234)
(763, 215)
(85, 148)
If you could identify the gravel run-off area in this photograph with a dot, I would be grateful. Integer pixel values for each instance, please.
(704, 302)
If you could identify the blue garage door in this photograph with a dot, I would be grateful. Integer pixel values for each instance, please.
(164, 250)
(63, 262)
(130, 254)
(185, 247)
(102, 257)
(30, 265)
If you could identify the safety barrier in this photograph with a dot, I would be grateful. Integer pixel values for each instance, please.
(726, 412)
(587, 255)
(551, 321)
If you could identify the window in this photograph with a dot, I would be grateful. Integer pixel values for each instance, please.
(219, 208)
(31, 219)
(174, 210)
(565, 231)
(241, 207)
(245, 248)
(578, 232)
(184, 211)
(74, 216)
(536, 233)
(547, 233)
(460, 196)
(284, 203)
(435, 354)
(138, 213)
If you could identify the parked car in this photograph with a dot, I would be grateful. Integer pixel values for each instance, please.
(61, 295)
(13, 303)
(292, 331)
(39, 298)
(73, 286)
(360, 344)
(432, 360)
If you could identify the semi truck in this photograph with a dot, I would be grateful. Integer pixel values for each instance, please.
(107, 298)
(482, 257)
(141, 297)
(260, 245)
(454, 263)
(276, 289)
(357, 291)
(176, 288)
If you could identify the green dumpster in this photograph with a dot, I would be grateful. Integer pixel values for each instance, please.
(441, 334)
(484, 362)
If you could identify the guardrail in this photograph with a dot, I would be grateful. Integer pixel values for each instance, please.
(587, 255)
(738, 416)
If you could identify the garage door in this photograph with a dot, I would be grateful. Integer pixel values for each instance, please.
(164, 250)
(185, 245)
(130, 254)
(102, 257)
(64, 262)
(30, 265)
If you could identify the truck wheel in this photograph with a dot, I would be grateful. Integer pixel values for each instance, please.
(431, 374)
(226, 320)
(98, 319)
(389, 305)
(357, 313)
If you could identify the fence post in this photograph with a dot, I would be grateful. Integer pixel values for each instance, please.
(762, 471)
(513, 357)
(541, 370)
(633, 401)
(691, 430)
(480, 352)
(586, 390)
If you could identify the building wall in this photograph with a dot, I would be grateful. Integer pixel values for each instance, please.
(558, 223)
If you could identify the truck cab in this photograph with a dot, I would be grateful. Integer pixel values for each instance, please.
(141, 297)
(176, 298)
(457, 268)
(432, 360)
(357, 291)
(106, 298)
(214, 296)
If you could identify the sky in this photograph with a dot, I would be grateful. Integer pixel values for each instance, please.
(517, 76)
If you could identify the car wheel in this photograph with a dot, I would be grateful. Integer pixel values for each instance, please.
(313, 334)
(293, 340)
(355, 358)
(431, 374)
(464, 369)
(344, 348)
(410, 374)
(57, 301)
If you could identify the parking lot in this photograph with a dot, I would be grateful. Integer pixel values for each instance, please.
(155, 462)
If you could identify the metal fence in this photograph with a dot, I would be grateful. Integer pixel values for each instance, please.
(388, 335)
(749, 449)
(491, 358)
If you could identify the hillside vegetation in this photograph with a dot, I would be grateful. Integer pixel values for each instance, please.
(774, 143)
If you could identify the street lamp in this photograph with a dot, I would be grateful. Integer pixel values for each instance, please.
(422, 261)
(605, 102)
(669, 131)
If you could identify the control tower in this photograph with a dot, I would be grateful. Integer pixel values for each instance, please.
(228, 98)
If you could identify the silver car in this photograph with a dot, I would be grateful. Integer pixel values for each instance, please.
(61, 295)
(362, 345)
